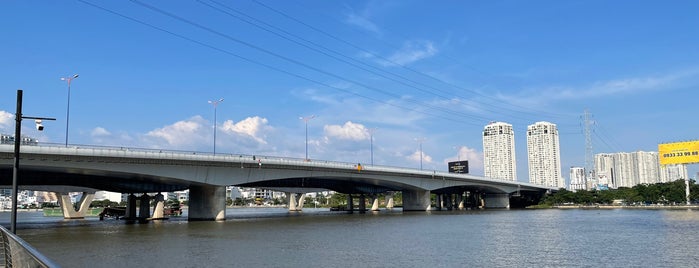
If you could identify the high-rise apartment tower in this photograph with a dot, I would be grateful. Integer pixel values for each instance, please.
(499, 151)
(544, 155)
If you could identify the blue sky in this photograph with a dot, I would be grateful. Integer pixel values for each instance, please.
(410, 70)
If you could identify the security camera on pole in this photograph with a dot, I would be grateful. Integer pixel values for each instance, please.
(15, 168)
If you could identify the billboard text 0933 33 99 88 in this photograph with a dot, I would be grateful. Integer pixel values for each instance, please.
(686, 152)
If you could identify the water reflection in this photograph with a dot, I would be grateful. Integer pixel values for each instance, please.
(319, 238)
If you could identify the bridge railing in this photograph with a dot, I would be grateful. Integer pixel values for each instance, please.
(15, 252)
(152, 153)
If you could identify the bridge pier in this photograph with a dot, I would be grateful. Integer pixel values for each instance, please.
(295, 201)
(389, 200)
(460, 201)
(449, 202)
(375, 202)
(159, 209)
(497, 201)
(144, 208)
(130, 207)
(69, 211)
(350, 203)
(207, 203)
(362, 203)
(416, 200)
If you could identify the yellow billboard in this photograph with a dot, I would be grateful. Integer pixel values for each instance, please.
(679, 152)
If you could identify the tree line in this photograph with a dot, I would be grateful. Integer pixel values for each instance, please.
(668, 193)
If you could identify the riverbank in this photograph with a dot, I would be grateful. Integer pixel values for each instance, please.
(614, 207)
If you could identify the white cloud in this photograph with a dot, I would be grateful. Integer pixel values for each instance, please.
(362, 22)
(253, 127)
(412, 51)
(599, 89)
(6, 120)
(100, 132)
(186, 132)
(474, 157)
(348, 131)
(416, 157)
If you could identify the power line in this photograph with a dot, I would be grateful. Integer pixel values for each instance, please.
(267, 65)
(266, 51)
(524, 109)
(329, 52)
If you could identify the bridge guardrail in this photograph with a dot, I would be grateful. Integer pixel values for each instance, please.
(113, 151)
(18, 253)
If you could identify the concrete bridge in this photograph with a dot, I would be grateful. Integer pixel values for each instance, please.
(206, 175)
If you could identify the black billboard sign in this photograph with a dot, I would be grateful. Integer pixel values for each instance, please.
(458, 167)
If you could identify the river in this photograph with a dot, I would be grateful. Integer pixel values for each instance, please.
(273, 237)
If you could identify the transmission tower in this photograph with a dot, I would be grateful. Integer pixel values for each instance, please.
(589, 162)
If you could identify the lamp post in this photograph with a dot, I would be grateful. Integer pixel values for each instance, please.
(69, 80)
(305, 120)
(420, 140)
(215, 103)
(371, 148)
(15, 167)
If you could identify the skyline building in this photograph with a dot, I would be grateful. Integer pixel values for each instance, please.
(499, 151)
(669, 173)
(630, 169)
(577, 179)
(544, 155)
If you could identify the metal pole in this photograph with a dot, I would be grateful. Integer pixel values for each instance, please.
(306, 140)
(68, 111)
(686, 190)
(305, 120)
(420, 155)
(214, 129)
(15, 168)
(69, 80)
(372, 149)
(215, 104)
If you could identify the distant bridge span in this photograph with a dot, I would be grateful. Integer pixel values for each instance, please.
(129, 170)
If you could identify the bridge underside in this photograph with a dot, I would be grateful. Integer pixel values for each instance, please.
(123, 183)
(341, 185)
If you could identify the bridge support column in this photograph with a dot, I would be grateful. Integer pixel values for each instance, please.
(291, 200)
(389, 200)
(460, 200)
(300, 201)
(159, 209)
(69, 211)
(350, 203)
(362, 203)
(207, 203)
(144, 208)
(449, 202)
(296, 201)
(374, 203)
(130, 207)
(416, 200)
(497, 200)
(438, 204)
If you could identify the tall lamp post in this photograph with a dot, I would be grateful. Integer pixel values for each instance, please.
(69, 80)
(420, 141)
(15, 168)
(305, 120)
(215, 103)
(371, 148)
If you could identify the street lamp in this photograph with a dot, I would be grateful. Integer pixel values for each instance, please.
(371, 138)
(215, 103)
(305, 120)
(15, 168)
(420, 140)
(68, 79)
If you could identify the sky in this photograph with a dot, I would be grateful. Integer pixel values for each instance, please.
(383, 79)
